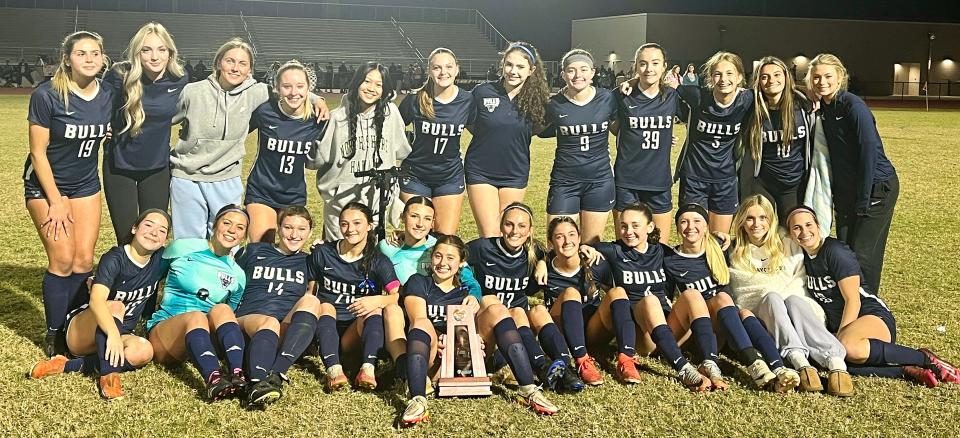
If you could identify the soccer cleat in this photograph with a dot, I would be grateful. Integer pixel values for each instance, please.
(810, 380)
(415, 413)
(366, 378)
(49, 367)
(787, 380)
(945, 371)
(920, 375)
(55, 343)
(839, 384)
(551, 374)
(532, 397)
(109, 386)
(589, 371)
(627, 369)
(692, 379)
(710, 369)
(238, 381)
(263, 393)
(570, 380)
(336, 380)
(760, 373)
(218, 387)
(504, 376)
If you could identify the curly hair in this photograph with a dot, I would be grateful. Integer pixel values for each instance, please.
(535, 91)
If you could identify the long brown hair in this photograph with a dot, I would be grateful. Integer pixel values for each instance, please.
(456, 242)
(425, 93)
(586, 284)
(535, 92)
(61, 78)
(761, 108)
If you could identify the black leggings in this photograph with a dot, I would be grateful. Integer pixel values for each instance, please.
(783, 197)
(130, 192)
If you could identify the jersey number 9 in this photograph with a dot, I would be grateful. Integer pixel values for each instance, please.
(584, 143)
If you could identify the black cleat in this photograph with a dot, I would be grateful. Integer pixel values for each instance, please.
(570, 381)
(552, 374)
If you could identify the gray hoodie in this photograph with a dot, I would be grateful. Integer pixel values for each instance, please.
(335, 180)
(215, 126)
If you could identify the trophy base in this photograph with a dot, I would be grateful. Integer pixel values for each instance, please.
(464, 387)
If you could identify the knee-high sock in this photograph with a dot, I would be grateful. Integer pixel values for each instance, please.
(86, 364)
(418, 350)
(894, 372)
(553, 343)
(571, 312)
(729, 319)
(231, 339)
(295, 340)
(56, 300)
(329, 341)
(624, 327)
(761, 338)
(201, 352)
(702, 330)
(497, 361)
(887, 354)
(538, 359)
(105, 368)
(261, 353)
(508, 341)
(372, 338)
(667, 344)
(79, 292)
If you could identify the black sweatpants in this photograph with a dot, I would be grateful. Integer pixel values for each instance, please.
(867, 235)
(783, 196)
(130, 192)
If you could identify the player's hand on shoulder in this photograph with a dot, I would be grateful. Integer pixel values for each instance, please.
(592, 256)
(540, 272)
(723, 239)
(322, 110)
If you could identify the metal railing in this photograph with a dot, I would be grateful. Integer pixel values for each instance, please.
(491, 32)
(246, 29)
(406, 39)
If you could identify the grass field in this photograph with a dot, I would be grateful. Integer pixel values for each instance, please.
(920, 284)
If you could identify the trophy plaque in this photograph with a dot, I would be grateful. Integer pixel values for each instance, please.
(462, 372)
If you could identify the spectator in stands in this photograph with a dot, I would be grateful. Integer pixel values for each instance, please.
(673, 77)
(136, 161)
(25, 71)
(206, 161)
(492, 74)
(690, 77)
(343, 75)
(328, 83)
(188, 68)
(200, 71)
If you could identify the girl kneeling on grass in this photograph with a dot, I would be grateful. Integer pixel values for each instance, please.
(860, 320)
(276, 305)
(100, 334)
(202, 290)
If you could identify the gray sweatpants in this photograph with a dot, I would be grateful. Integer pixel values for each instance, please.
(796, 328)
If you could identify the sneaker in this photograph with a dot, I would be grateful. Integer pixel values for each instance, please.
(760, 373)
(532, 397)
(263, 393)
(710, 369)
(570, 381)
(336, 380)
(551, 374)
(945, 371)
(238, 381)
(810, 380)
(920, 375)
(787, 379)
(504, 376)
(49, 367)
(627, 369)
(415, 413)
(692, 379)
(366, 378)
(109, 386)
(218, 387)
(589, 371)
(839, 384)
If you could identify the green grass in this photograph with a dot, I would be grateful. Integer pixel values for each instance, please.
(920, 284)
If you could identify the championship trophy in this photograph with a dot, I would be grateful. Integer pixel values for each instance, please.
(462, 372)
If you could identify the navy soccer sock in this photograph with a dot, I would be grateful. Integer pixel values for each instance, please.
(538, 359)
(729, 319)
(56, 300)
(261, 353)
(571, 313)
(871, 371)
(86, 364)
(702, 330)
(201, 352)
(508, 340)
(372, 338)
(329, 341)
(418, 350)
(497, 361)
(884, 353)
(662, 336)
(624, 327)
(79, 292)
(763, 341)
(553, 342)
(231, 339)
(295, 340)
(100, 337)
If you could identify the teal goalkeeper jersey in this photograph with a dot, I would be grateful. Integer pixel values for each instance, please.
(198, 280)
(409, 260)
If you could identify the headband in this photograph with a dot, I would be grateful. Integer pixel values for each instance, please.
(800, 209)
(232, 208)
(533, 59)
(520, 207)
(696, 208)
(582, 57)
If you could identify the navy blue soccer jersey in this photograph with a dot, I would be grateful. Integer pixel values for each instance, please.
(151, 149)
(834, 262)
(639, 273)
(284, 141)
(778, 163)
(500, 272)
(340, 282)
(500, 147)
(645, 138)
(712, 133)
(690, 271)
(275, 281)
(75, 134)
(436, 299)
(435, 154)
(583, 136)
(558, 281)
(129, 283)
